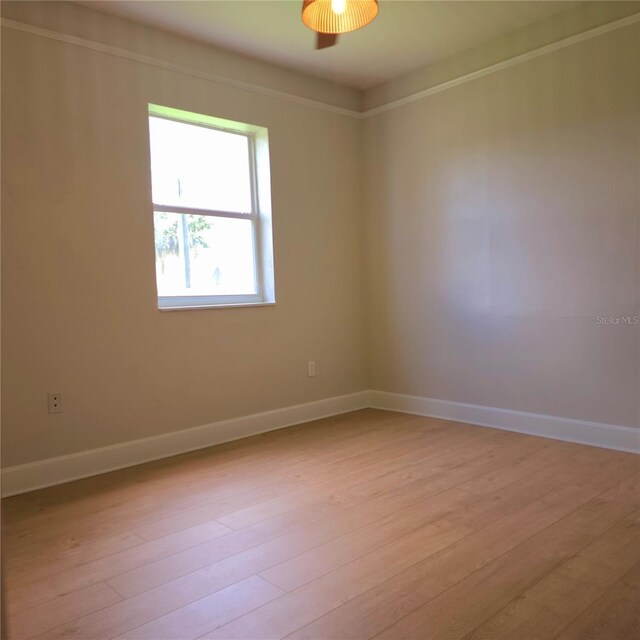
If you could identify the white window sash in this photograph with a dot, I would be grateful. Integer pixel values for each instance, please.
(193, 211)
(264, 290)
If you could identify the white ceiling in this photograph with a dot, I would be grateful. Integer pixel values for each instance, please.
(406, 35)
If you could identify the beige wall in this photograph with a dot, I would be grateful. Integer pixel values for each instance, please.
(503, 218)
(78, 287)
(500, 219)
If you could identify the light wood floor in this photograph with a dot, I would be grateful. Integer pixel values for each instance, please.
(367, 525)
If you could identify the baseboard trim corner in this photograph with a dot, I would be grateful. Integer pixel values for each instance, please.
(52, 471)
(595, 434)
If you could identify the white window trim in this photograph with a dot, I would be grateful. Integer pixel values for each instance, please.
(260, 214)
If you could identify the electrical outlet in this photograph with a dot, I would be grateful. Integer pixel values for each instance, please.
(54, 401)
(311, 368)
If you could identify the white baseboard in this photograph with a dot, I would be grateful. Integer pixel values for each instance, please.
(595, 434)
(52, 471)
(45, 473)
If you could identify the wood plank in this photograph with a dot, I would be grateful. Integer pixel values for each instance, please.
(317, 598)
(300, 491)
(615, 616)
(456, 505)
(247, 460)
(547, 607)
(164, 494)
(486, 590)
(611, 553)
(208, 613)
(349, 518)
(26, 594)
(20, 568)
(299, 607)
(39, 619)
(382, 606)
(165, 561)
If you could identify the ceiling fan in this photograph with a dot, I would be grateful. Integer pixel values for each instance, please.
(328, 18)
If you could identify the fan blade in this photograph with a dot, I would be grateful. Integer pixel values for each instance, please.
(324, 40)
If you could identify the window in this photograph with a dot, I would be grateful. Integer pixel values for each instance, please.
(212, 210)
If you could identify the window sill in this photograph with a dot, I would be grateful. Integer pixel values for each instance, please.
(217, 306)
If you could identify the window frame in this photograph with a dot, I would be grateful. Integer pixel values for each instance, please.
(259, 216)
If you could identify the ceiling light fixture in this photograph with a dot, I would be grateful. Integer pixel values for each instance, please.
(328, 18)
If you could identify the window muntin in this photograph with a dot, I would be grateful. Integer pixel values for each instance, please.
(211, 212)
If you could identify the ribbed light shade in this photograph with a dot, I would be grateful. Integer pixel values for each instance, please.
(320, 16)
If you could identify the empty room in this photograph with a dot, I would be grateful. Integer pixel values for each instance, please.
(320, 320)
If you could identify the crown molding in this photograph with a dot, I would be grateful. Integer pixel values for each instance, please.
(176, 68)
(505, 64)
(316, 104)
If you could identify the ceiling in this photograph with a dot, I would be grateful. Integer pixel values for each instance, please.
(406, 35)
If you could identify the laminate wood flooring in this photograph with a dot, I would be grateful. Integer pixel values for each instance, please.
(371, 524)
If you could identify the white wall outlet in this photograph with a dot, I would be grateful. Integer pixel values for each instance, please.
(311, 368)
(54, 401)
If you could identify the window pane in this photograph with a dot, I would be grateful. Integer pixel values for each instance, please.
(219, 256)
(194, 166)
